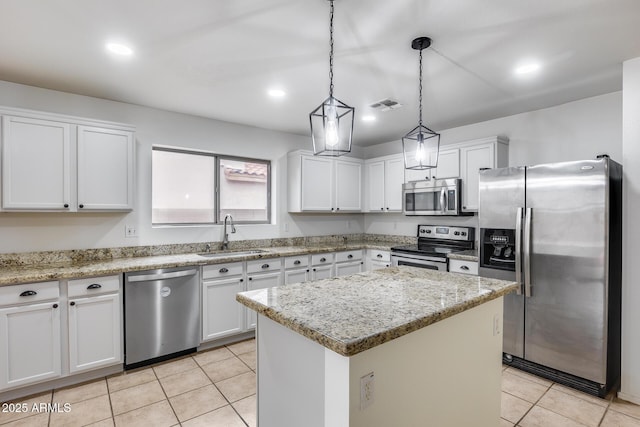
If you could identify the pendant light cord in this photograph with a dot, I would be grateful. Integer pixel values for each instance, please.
(420, 92)
(331, 51)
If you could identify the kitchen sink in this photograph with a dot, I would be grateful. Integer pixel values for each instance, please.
(232, 254)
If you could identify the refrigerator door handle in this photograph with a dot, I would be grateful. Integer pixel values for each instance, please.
(527, 252)
(519, 250)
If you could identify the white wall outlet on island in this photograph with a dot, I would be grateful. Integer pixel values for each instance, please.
(366, 390)
(130, 231)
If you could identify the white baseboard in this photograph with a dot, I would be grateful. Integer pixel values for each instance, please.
(629, 397)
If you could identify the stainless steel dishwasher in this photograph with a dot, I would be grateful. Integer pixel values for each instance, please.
(162, 314)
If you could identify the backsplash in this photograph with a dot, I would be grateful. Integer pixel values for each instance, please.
(104, 254)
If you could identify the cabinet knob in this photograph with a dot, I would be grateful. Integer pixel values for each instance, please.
(464, 267)
(337, 209)
(307, 270)
(349, 256)
(381, 209)
(387, 208)
(242, 280)
(314, 269)
(94, 286)
(296, 262)
(81, 206)
(223, 270)
(250, 278)
(66, 205)
(72, 303)
(28, 293)
(265, 266)
(55, 305)
(332, 209)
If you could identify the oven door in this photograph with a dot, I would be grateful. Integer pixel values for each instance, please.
(418, 261)
(430, 201)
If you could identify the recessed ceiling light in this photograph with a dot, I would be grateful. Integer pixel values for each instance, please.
(528, 68)
(119, 49)
(276, 93)
(368, 118)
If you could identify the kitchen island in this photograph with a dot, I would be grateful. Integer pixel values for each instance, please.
(400, 346)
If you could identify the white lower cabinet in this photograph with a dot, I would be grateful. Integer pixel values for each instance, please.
(322, 272)
(378, 259)
(260, 281)
(296, 269)
(30, 349)
(464, 267)
(222, 315)
(348, 262)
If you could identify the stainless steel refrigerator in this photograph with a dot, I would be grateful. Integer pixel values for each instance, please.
(557, 230)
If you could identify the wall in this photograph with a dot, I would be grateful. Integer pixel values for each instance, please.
(21, 232)
(630, 389)
(573, 131)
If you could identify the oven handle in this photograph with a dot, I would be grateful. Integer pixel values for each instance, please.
(519, 251)
(443, 200)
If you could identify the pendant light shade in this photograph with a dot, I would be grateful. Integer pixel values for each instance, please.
(421, 145)
(332, 122)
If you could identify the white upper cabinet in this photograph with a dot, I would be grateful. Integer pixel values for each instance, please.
(448, 164)
(486, 153)
(383, 184)
(105, 169)
(323, 184)
(36, 173)
(59, 163)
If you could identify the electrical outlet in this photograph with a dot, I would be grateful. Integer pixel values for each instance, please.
(130, 231)
(496, 325)
(366, 390)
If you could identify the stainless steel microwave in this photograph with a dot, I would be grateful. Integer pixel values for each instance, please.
(434, 197)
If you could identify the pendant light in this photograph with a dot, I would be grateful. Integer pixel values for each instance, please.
(332, 121)
(421, 145)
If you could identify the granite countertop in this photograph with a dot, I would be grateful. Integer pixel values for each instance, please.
(352, 314)
(36, 272)
(470, 255)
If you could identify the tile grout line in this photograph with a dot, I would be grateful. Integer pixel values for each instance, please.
(113, 417)
(165, 392)
(532, 406)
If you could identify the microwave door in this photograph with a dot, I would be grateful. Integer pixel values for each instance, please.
(429, 201)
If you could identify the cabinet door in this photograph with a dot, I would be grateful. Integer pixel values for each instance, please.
(474, 158)
(296, 276)
(448, 164)
(29, 344)
(375, 187)
(393, 180)
(95, 332)
(317, 184)
(105, 169)
(322, 272)
(346, 268)
(260, 281)
(36, 171)
(348, 186)
(222, 315)
(377, 265)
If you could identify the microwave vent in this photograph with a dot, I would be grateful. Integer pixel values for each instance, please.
(386, 104)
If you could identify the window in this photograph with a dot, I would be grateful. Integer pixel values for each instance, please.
(202, 188)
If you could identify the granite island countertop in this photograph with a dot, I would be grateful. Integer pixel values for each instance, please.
(41, 272)
(352, 314)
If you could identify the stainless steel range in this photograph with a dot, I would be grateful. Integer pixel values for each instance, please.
(434, 243)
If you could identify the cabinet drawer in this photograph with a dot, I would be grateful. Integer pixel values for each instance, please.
(260, 265)
(93, 286)
(29, 293)
(464, 267)
(301, 261)
(382, 256)
(222, 270)
(349, 256)
(320, 259)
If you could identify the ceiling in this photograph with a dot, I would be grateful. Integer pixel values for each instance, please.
(218, 58)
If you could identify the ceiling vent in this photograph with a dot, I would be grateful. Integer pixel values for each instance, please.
(386, 105)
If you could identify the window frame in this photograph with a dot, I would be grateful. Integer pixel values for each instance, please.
(217, 217)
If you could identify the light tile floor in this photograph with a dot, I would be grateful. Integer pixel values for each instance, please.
(217, 388)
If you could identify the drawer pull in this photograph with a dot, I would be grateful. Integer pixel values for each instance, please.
(265, 266)
(349, 256)
(250, 278)
(464, 267)
(28, 293)
(379, 256)
(323, 259)
(223, 270)
(72, 303)
(94, 286)
(296, 262)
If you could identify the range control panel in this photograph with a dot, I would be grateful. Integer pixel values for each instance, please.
(445, 232)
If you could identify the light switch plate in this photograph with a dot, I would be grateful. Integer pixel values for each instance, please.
(130, 231)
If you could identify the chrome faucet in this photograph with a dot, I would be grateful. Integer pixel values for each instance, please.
(225, 241)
